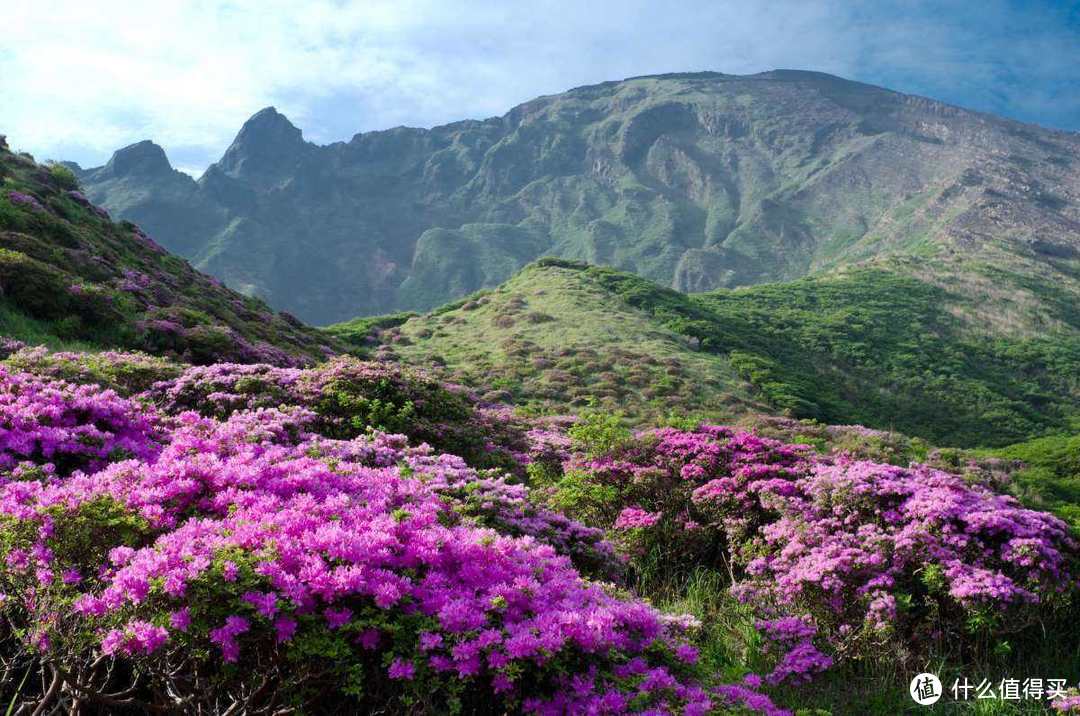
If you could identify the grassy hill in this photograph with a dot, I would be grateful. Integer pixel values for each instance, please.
(555, 337)
(869, 345)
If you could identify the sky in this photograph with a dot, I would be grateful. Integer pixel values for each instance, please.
(81, 79)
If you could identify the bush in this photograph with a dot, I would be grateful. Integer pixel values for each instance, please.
(51, 427)
(37, 288)
(838, 558)
(126, 373)
(351, 397)
(62, 176)
(343, 575)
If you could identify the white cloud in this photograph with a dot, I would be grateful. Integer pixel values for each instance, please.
(98, 75)
(79, 79)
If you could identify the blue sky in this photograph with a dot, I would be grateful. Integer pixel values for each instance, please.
(78, 79)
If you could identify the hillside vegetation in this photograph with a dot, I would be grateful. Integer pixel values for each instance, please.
(70, 276)
(256, 538)
(868, 345)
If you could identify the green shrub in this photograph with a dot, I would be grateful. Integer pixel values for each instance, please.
(63, 176)
(599, 433)
(39, 289)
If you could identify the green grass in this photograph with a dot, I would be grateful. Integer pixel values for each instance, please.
(357, 333)
(15, 324)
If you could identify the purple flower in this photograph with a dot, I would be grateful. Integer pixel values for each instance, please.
(265, 604)
(26, 200)
(401, 669)
(285, 628)
(636, 518)
(337, 618)
(180, 619)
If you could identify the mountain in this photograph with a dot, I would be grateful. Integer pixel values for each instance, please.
(696, 181)
(871, 345)
(72, 277)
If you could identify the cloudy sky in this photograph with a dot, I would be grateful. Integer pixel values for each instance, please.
(80, 79)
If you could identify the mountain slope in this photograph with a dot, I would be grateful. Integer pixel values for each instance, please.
(69, 275)
(871, 345)
(695, 181)
(554, 337)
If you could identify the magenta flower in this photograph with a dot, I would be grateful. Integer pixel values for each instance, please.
(636, 518)
(180, 619)
(337, 618)
(401, 669)
(264, 603)
(285, 628)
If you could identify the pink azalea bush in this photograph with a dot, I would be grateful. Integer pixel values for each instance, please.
(25, 200)
(58, 427)
(127, 373)
(252, 562)
(349, 396)
(1069, 704)
(839, 558)
(884, 556)
(636, 518)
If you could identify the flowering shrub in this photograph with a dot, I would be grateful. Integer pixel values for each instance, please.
(643, 489)
(134, 281)
(78, 197)
(636, 518)
(497, 503)
(350, 397)
(126, 373)
(331, 569)
(799, 659)
(25, 200)
(855, 558)
(9, 346)
(886, 558)
(1069, 704)
(57, 427)
(221, 389)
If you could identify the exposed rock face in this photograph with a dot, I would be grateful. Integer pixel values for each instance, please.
(697, 181)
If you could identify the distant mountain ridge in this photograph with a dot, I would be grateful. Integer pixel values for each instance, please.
(696, 181)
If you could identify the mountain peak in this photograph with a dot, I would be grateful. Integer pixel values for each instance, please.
(269, 119)
(267, 143)
(142, 158)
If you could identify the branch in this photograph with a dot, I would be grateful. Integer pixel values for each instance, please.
(49, 693)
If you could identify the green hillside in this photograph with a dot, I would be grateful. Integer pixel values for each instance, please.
(556, 337)
(869, 345)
